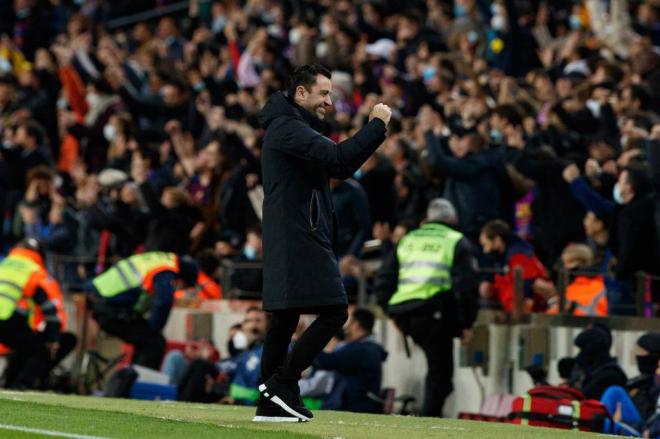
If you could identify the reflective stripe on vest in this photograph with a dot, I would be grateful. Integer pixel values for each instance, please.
(426, 256)
(590, 310)
(576, 415)
(131, 272)
(527, 405)
(15, 273)
(587, 296)
(243, 393)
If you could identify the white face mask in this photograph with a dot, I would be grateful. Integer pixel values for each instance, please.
(325, 30)
(240, 340)
(109, 132)
(616, 193)
(92, 99)
(498, 22)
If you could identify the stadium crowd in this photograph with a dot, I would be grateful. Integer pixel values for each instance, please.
(543, 115)
(538, 121)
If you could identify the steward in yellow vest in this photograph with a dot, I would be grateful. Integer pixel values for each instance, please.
(22, 279)
(429, 286)
(140, 284)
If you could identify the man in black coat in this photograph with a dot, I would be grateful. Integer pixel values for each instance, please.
(300, 232)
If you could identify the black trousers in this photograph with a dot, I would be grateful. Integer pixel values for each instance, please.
(127, 325)
(434, 335)
(276, 358)
(27, 348)
(67, 343)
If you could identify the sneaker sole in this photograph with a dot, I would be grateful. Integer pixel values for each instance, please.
(275, 419)
(277, 400)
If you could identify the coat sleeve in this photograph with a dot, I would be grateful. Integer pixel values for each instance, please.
(340, 159)
(590, 199)
(49, 310)
(163, 298)
(343, 360)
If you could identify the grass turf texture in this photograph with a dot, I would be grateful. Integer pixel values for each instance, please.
(116, 418)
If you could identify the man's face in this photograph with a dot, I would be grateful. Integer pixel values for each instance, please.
(254, 325)
(352, 330)
(317, 100)
(170, 94)
(6, 94)
(627, 192)
(592, 225)
(459, 145)
(22, 138)
(490, 245)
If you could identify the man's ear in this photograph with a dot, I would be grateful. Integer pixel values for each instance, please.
(301, 91)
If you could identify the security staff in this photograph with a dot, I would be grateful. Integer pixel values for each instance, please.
(36, 320)
(131, 288)
(22, 277)
(429, 286)
(587, 294)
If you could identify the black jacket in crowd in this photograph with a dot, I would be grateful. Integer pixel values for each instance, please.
(299, 224)
(353, 219)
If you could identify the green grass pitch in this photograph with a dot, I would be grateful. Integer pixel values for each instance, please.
(31, 415)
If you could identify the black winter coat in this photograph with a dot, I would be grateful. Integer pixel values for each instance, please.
(299, 225)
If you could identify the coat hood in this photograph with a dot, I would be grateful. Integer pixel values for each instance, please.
(279, 105)
(371, 339)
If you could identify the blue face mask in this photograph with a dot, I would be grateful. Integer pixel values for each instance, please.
(575, 22)
(459, 11)
(429, 73)
(250, 253)
(496, 135)
(616, 193)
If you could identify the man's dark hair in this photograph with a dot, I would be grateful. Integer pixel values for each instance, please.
(638, 177)
(306, 76)
(510, 113)
(34, 131)
(641, 93)
(364, 318)
(8, 79)
(495, 228)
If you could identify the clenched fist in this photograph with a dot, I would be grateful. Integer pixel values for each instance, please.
(382, 112)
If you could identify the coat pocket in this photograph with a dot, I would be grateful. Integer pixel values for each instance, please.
(314, 211)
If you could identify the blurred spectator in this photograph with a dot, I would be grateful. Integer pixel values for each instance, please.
(241, 371)
(249, 279)
(586, 294)
(595, 370)
(634, 408)
(358, 364)
(352, 212)
(509, 253)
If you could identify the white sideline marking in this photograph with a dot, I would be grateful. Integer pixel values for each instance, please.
(47, 432)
